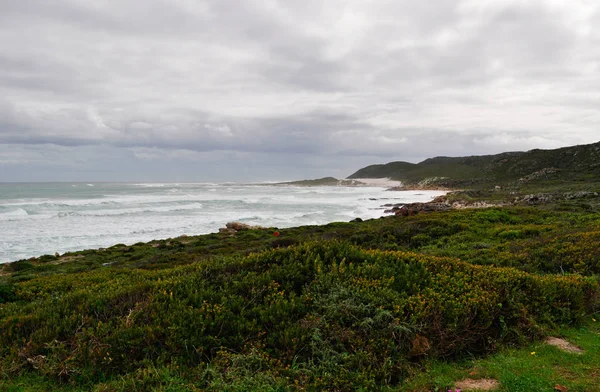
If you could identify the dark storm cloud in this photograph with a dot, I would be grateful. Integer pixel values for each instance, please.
(311, 85)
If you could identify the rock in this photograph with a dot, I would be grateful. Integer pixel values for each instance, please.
(356, 220)
(539, 198)
(482, 384)
(57, 254)
(417, 208)
(563, 345)
(392, 210)
(561, 388)
(234, 227)
(581, 195)
(460, 205)
(544, 173)
(237, 226)
(441, 199)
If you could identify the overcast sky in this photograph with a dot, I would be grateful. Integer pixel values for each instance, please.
(204, 90)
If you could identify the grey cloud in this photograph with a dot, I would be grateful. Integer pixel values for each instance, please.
(155, 17)
(312, 85)
(308, 133)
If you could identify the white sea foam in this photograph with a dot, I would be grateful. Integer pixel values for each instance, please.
(11, 214)
(43, 219)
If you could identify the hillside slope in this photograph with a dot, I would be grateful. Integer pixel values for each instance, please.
(572, 164)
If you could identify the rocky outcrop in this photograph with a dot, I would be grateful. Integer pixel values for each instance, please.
(581, 195)
(234, 227)
(540, 174)
(476, 199)
(416, 208)
(417, 187)
(539, 198)
(544, 198)
(461, 205)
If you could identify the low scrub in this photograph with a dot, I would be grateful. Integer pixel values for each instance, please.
(324, 315)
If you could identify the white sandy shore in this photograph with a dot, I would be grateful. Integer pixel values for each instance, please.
(384, 182)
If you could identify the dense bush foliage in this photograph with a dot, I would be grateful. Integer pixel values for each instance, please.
(324, 315)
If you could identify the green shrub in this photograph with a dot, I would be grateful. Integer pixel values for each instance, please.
(47, 258)
(21, 265)
(7, 293)
(284, 242)
(318, 316)
(510, 234)
(495, 215)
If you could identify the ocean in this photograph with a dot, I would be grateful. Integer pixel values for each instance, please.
(44, 218)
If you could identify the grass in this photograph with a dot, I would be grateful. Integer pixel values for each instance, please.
(537, 367)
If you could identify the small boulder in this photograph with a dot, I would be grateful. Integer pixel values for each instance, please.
(482, 384)
(238, 226)
(564, 345)
(417, 208)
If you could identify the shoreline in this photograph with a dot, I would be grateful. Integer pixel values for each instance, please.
(372, 207)
(381, 182)
(140, 296)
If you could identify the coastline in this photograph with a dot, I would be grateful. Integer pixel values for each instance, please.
(199, 287)
(79, 218)
(382, 182)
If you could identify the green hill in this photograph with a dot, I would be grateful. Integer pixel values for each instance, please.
(325, 181)
(577, 164)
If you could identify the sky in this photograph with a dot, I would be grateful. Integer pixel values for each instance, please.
(250, 90)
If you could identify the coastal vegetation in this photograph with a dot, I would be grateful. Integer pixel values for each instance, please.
(341, 306)
(410, 302)
(578, 166)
